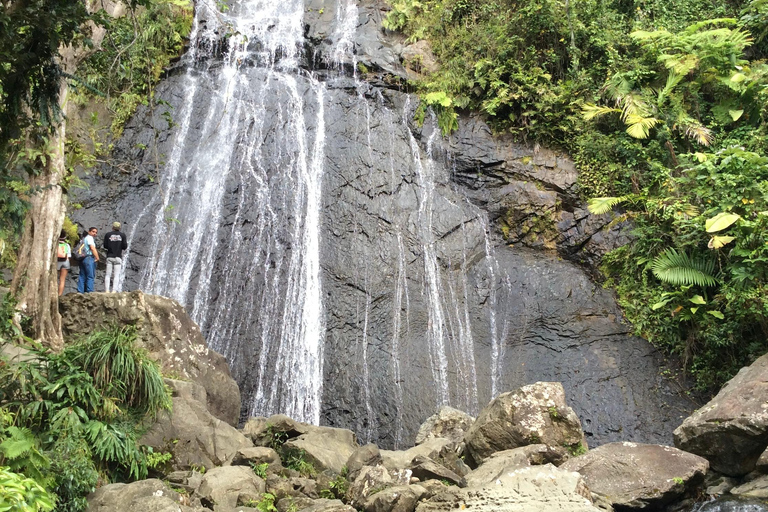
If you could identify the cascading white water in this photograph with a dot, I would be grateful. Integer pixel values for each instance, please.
(240, 199)
(275, 168)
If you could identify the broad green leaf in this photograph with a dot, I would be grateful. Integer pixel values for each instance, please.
(659, 305)
(735, 114)
(720, 241)
(698, 299)
(700, 157)
(717, 314)
(738, 77)
(694, 310)
(720, 221)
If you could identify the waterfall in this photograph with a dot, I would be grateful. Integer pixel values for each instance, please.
(266, 297)
(243, 213)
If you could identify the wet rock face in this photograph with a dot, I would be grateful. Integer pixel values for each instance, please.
(731, 431)
(425, 303)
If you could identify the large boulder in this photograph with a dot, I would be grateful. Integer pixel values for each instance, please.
(325, 447)
(639, 475)
(511, 460)
(534, 414)
(431, 448)
(731, 431)
(532, 489)
(167, 332)
(401, 498)
(150, 495)
(447, 423)
(194, 436)
(226, 487)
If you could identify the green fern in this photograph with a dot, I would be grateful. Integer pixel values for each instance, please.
(678, 268)
(601, 205)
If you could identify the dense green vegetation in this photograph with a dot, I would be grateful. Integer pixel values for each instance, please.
(71, 419)
(663, 106)
(123, 70)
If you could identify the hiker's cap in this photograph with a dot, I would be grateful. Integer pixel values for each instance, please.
(115, 225)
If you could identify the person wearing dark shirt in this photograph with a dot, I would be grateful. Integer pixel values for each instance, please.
(115, 242)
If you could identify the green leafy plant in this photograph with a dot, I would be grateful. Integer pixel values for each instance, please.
(20, 494)
(260, 469)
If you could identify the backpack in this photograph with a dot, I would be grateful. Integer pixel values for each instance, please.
(61, 251)
(81, 250)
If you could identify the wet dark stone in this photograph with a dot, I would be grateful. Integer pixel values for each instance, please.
(552, 323)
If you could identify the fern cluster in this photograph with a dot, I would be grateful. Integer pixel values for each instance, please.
(68, 418)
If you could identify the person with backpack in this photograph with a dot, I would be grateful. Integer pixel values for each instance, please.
(88, 255)
(63, 253)
(115, 242)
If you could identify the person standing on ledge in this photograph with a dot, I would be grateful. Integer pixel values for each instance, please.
(88, 264)
(115, 242)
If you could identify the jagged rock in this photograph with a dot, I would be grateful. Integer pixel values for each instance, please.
(304, 487)
(325, 447)
(639, 475)
(255, 456)
(717, 484)
(426, 469)
(533, 414)
(281, 488)
(324, 505)
(194, 436)
(731, 431)
(419, 59)
(510, 460)
(757, 488)
(150, 495)
(431, 448)
(368, 455)
(762, 462)
(293, 503)
(532, 489)
(447, 423)
(401, 498)
(369, 480)
(168, 334)
(225, 487)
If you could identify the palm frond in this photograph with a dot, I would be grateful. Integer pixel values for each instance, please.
(678, 268)
(601, 205)
(591, 111)
(639, 127)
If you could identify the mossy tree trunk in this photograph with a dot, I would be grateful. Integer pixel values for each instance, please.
(35, 281)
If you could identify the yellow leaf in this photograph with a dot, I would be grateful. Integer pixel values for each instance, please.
(720, 221)
(716, 242)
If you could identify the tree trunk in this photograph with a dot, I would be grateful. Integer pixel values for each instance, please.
(35, 280)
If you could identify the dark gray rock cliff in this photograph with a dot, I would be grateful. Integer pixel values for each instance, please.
(446, 266)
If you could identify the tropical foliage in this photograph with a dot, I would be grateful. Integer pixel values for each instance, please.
(663, 106)
(70, 419)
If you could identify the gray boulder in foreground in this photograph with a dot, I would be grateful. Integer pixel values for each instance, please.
(150, 495)
(325, 447)
(193, 435)
(534, 414)
(532, 489)
(731, 431)
(639, 475)
(226, 486)
(510, 460)
(447, 423)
